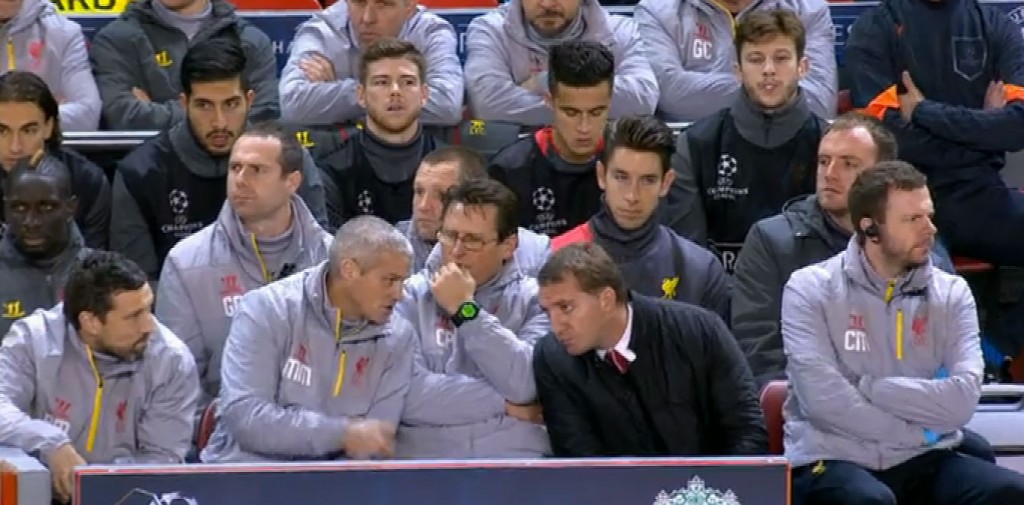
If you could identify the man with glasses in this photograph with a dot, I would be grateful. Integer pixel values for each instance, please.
(476, 317)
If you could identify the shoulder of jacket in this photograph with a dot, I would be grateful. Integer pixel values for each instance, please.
(192, 248)
(818, 277)
(664, 10)
(153, 147)
(429, 21)
(515, 155)
(708, 127)
(490, 21)
(947, 284)
(774, 229)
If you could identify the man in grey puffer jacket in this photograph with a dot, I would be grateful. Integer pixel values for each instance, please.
(316, 366)
(884, 363)
(264, 233)
(476, 318)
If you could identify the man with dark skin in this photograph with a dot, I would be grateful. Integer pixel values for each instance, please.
(41, 241)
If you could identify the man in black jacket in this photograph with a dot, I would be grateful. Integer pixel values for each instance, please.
(627, 375)
(743, 163)
(29, 123)
(370, 169)
(809, 230)
(137, 59)
(552, 171)
(634, 173)
(175, 183)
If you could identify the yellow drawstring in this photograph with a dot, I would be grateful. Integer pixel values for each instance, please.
(97, 402)
(259, 257)
(899, 334)
(11, 63)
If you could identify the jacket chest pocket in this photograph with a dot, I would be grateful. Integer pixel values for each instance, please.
(351, 385)
(698, 47)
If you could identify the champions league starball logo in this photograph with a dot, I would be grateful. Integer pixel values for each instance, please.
(151, 498)
(696, 493)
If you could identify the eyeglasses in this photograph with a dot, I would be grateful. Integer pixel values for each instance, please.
(471, 243)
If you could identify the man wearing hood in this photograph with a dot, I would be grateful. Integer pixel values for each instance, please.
(476, 318)
(41, 242)
(884, 363)
(947, 76)
(744, 162)
(316, 367)
(508, 49)
(175, 183)
(38, 39)
(444, 169)
(690, 46)
(318, 84)
(264, 233)
(635, 174)
(29, 124)
(370, 169)
(97, 379)
(138, 58)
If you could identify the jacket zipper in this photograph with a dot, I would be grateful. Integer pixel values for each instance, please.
(97, 402)
(890, 292)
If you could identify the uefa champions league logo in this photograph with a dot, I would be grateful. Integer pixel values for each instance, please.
(695, 493)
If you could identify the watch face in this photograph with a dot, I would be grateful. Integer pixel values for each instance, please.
(467, 310)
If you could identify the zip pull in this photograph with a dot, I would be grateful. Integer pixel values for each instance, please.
(339, 380)
(890, 290)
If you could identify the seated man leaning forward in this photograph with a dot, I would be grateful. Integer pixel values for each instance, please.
(884, 363)
(314, 366)
(97, 379)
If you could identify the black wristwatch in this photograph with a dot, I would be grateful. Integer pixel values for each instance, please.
(466, 312)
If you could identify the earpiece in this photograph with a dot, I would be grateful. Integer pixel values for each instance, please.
(871, 231)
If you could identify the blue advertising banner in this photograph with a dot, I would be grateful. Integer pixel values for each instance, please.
(281, 26)
(727, 481)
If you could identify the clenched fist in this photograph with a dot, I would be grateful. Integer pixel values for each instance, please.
(452, 286)
(369, 438)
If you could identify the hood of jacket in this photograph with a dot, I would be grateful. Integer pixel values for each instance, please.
(596, 25)
(304, 228)
(860, 273)
(337, 20)
(30, 13)
(808, 219)
(318, 305)
(222, 14)
(623, 245)
(198, 160)
(769, 129)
